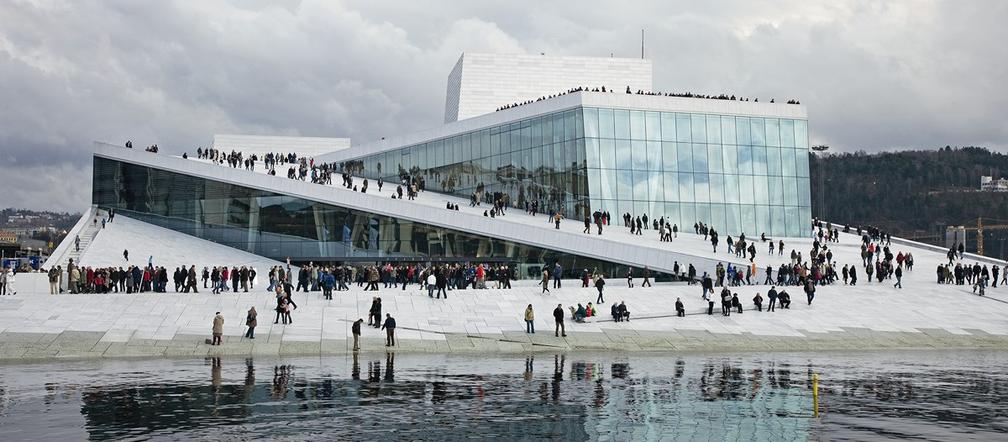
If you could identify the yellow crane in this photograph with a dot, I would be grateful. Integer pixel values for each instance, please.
(980, 229)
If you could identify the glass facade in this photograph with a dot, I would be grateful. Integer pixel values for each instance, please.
(278, 226)
(740, 174)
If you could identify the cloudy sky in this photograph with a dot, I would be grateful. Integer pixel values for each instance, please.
(875, 75)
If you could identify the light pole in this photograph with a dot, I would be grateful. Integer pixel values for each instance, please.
(822, 148)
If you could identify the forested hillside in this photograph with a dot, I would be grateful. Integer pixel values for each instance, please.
(911, 193)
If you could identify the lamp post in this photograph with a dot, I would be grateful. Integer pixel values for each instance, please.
(822, 148)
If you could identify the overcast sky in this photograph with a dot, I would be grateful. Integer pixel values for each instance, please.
(875, 75)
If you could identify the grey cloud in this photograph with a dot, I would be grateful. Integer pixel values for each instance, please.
(874, 74)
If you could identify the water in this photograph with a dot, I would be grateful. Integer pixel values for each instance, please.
(574, 396)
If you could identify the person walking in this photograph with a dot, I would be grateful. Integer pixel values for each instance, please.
(431, 284)
(374, 317)
(3, 281)
(250, 322)
(809, 291)
(899, 277)
(647, 278)
(558, 316)
(389, 327)
(355, 329)
(218, 329)
(545, 281)
(529, 320)
(599, 284)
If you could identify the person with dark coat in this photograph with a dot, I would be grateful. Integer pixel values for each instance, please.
(810, 291)
(558, 316)
(758, 302)
(389, 327)
(772, 296)
(679, 308)
(374, 314)
(785, 299)
(735, 303)
(355, 329)
(599, 284)
(250, 322)
(615, 312)
(624, 313)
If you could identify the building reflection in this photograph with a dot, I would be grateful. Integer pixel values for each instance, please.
(581, 399)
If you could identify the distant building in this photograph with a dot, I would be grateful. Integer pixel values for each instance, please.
(989, 184)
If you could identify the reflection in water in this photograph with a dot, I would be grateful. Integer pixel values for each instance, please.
(863, 397)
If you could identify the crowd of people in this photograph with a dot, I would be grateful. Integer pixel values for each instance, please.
(638, 92)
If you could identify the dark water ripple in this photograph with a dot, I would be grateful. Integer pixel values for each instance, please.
(863, 396)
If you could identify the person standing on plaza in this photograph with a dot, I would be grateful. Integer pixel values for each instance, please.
(355, 330)
(375, 312)
(629, 277)
(218, 329)
(809, 291)
(3, 281)
(556, 219)
(557, 273)
(250, 322)
(558, 316)
(587, 222)
(599, 284)
(389, 327)
(647, 278)
(431, 283)
(529, 319)
(772, 296)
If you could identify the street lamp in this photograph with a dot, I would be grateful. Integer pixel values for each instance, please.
(822, 148)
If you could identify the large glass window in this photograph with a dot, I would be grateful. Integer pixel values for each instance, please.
(608, 184)
(624, 180)
(592, 152)
(713, 129)
(607, 153)
(745, 160)
(591, 127)
(699, 158)
(757, 132)
(686, 187)
(698, 125)
(622, 119)
(637, 131)
(624, 155)
(683, 128)
(742, 131)
(728, 130)
(606, 127)
(787, 133)
(671, 185)
(772, 132)
(701, 187)
(655, 187)
(668, 126)
(684, 153)
(639, 148)
(790, 191)
(640, 185)
(654, 155)
(714, 163)
(652, 121)
(801, 134)
(669, 162)
(759, 160)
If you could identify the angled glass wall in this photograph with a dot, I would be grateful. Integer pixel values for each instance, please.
(536, 159)
(278, 226)
(739, 174)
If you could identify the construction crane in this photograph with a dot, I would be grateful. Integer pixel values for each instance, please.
(980, 229)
